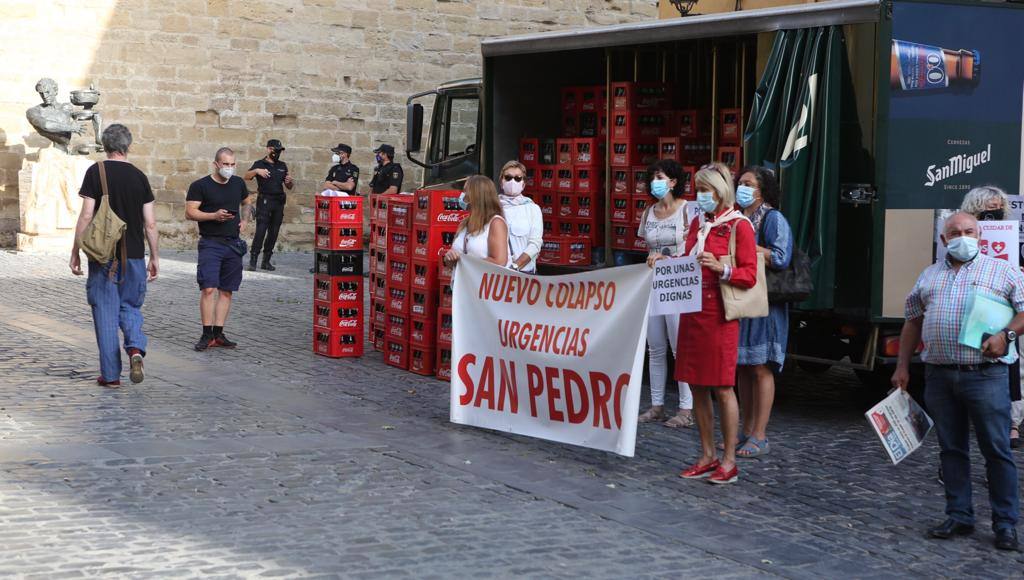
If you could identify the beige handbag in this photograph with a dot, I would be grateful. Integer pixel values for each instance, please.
(105, 232)
(744, 302)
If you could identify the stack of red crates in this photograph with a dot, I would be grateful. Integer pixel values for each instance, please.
(395, 264)
(338, 284)
(443, 370)
(378, 269)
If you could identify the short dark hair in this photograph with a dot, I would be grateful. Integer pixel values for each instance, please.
(766, 183)
(673, 170)
(221, 151)
(116, 138)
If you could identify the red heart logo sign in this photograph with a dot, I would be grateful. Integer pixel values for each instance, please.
(998, 247)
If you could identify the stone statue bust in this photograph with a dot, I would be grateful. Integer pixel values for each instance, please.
(59, 121)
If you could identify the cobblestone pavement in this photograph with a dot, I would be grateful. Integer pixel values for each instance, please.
(269, 461)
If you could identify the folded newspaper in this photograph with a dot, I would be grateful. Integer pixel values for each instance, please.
(985, 314)
(900, 423)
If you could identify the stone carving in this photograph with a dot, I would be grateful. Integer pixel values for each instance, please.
(58, 121)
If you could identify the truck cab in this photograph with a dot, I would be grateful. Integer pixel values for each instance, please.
(454, 132)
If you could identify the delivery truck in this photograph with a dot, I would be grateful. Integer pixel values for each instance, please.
(875, 115)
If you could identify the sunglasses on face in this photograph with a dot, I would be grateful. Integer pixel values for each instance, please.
(511, 177)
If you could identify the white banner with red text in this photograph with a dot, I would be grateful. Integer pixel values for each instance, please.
(554, 357)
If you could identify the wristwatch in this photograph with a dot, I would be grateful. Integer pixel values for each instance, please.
(1010, 335)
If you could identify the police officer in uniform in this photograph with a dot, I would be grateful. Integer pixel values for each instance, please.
(272, 178)
(344, 175)
(387, 178)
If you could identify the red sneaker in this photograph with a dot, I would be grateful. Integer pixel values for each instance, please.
(721, 476)
(111, 384)
(699, 471)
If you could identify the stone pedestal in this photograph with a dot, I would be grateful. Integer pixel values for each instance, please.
(48, 202)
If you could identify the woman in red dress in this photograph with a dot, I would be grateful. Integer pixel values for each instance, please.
(708, 345)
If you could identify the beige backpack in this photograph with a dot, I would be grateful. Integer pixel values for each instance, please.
(101, 236)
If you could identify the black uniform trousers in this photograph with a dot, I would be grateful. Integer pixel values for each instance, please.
(269, 215)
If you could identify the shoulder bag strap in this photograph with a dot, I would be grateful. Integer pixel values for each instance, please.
(103, 178)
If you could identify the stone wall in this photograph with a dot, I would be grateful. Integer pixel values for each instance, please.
(189, 76)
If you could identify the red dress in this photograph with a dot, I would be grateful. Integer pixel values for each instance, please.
(708, 345)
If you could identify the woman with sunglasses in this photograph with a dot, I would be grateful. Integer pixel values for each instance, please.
(484, 233)
(525, 221)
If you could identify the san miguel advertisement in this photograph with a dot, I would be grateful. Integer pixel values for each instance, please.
(554, 357)
(956, 103)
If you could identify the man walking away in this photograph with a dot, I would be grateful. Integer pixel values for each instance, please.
(116, 291)
(272, 178)
(965, 385)
(216, 202)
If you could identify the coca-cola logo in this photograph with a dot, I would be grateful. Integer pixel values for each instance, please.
(418, 309)
(449, 218)
(323, 295)
(396, 331)
(348, 323)
(348, 243)
(420, 251)
(420, 281)
(348, 296)
(348, 217)
(395, 358)
(399, 210)
(322, 321)
(445, 335)
(397, 277)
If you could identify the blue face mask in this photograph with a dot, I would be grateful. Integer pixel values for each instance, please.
(963, 249)
(463, 205)
(380, 160)
(659, 188)
(706, 201)
(745, 196)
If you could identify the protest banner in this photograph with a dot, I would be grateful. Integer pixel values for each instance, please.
(553, 357)
(900, 423)
(997, 239)
(676, 286)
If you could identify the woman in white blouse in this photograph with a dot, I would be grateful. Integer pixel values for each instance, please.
(525, 222)
(484, 233)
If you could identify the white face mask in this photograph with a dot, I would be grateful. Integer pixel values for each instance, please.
(335, 158)
(226, 172)
(513, 188)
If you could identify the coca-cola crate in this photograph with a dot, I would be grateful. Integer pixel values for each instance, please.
(337, 344)
(372, 285)
(428, 241)
(444, 364)
(529, 150)
(444, 272)
(444, 327)
(379, 312)
(445, 295)
(339, 210)
(398, 301)
(621, 236)
(590, 205)
(550, 251)
(423, 331)
(424, 275)
(378, 339)
(399, 272)
(396, 353)
(424, 302)
(630, 95)
(380, 237)
(546, 180)
(339, 263)
(566, 226)
(670, 148)
(338, 237)
(379, 265)
(623, 125)
(650, 124)
(732, 157)
(576, 251)
(550, 224)
(634, 151)
(639, 177)
(530, 179)
(588, 179)
(591, 228)
(546, 201)
(692, 123)
(338, 290)
(588, 151)
(547, 151)
(400, 212)
(569, 125)
(639, 244)
(570, 99)
(565, 152)
(696, 151)
(421, 360)
(622, 208)
(438, 207)
(566, 203)
(335, 317)
(378, 285)
(689, 183)
(639, 205)
(399, 243)
(592, 98)
(382, 209)
(621, 180)
(397, 326)
(730, 126)
(374, 200)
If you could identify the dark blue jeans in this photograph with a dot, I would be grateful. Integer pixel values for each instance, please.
(117, 304)
(956, 399)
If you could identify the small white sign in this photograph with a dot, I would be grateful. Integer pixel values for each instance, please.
(676, 286)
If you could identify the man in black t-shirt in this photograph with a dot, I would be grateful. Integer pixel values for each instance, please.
(388, 176)
(116, 291)
(343, 175)
(216, 202)
(272, 178)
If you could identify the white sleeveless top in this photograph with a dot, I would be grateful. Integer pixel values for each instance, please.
(668, 233)
(476, 244)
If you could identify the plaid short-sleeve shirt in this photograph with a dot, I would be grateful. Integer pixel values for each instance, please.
(941, 296)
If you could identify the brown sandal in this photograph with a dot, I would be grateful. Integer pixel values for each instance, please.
(683, 418)
(651, 415)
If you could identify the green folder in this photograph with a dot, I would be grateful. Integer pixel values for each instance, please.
(985, 314)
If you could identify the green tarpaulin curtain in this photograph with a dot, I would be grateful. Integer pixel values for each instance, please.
(794, 129)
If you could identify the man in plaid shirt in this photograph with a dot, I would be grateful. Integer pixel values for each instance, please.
(963, 384)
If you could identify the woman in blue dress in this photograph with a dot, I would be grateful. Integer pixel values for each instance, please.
(762, 346)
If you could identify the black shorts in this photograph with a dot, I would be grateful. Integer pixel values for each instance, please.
(219, 266)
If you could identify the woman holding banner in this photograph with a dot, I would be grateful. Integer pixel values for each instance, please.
(664, 226)
(708, 343)
(484, 233)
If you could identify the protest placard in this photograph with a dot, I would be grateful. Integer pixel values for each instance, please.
(676, 286)
(900, 423)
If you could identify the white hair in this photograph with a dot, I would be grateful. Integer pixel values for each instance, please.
(976, 199)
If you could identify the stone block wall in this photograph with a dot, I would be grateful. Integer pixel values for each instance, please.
(189, 76)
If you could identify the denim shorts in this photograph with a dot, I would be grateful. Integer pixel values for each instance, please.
(219, 266)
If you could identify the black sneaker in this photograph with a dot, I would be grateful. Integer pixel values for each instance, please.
(222, 340)
(252, 267)
(205, 342)
(267, 266)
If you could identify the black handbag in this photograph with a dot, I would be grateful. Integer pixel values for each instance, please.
(792, 284)
(237, 245)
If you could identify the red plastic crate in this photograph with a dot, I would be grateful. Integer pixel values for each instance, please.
(621, 180)
(550, 251)
(565, 152)
(399, 244)
(588, 151)
(689, 183)
(546, 181)
(397, 326)
(338, 237)
(529, 151)
(396, 353)
(731, 156)
(428, 241)
(399, 272)
(588, 179)
(382, 209)
(424, 275)
(634, 151)
(692, 123)
(621, 236)
(400, 212)
(337, 344)
(590, 205)
(338, 290)
(730, 126)
(378, 285)
(445, 295)
(339, 210)
(423, 331)
(576, 251)
(530, 179)
(622, 208)
(639, 177)
(566, 227)
(566, 204)
(629, 95)
(639, 244)
(380, 237)
(421, 360)
(424, 302)
(570, 99)
(570, 125)
(334, 317)
(639, 205)
(398, 301)
(623, 125)
(565, 180)
(438, 207)
(670, 148)
(379, 312)
(378, 339)
(444, 327)
(444, 273)
(380, 264)
(547, 204)
(592, 229)
(444, 364)
(550, 225)
(592, 98)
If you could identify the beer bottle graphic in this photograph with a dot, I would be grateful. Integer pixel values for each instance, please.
(915, 67)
